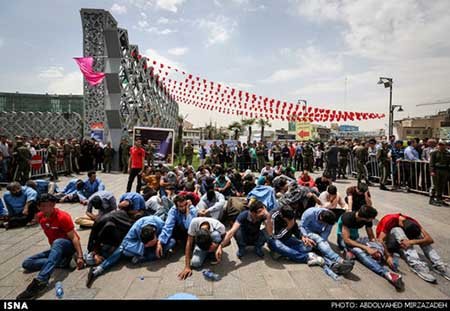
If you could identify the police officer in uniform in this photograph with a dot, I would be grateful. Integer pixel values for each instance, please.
(23, 158)
(344, 154)
(125, 154)
(188, 153)
(76, 153)
(440, 168)
(276, 152)
(308, 158)
(52, 154)
(260, 153)
(384, 164)
(68, 153)
(108, 153)
(149, 152)
(362, 156)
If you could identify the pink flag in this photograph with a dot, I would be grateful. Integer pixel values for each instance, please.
(85, 64)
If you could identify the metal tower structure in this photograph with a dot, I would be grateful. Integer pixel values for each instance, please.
(129, 96)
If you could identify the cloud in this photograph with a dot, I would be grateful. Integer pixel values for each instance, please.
(118, 9)
(169, 5)
(309, 61)
(178, 51)
(408, 28)
(143, 25)
(218, 29)
(162, 21)
(2, 42)
(155, 55)
(71, 83)
(52, 72)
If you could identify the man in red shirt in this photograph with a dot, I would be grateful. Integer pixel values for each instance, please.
(64, 243)
(399, 233)
(136, 165)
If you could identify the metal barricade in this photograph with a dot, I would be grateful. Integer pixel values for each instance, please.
(416, 176)
(38, 164)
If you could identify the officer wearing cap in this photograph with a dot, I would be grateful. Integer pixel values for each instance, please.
(439, 168)
(22, 158)
(384, 161)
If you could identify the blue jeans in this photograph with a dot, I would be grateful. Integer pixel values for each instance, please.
(325, 249)
(199, 255)
(363, 257)
(46, 262)
(292, 248)
(242, 240)
(149, 255)
(4, 169)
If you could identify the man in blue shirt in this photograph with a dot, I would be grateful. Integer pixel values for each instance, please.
(73, 192)
(20, 202)
(139, 244)
(177, 223)
(316, 223)
(42, 186)
(92, 184)
(411, 154)
(247, 229)
(134, 203)
(103, 201)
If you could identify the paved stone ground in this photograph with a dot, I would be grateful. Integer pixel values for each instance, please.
(249, 278)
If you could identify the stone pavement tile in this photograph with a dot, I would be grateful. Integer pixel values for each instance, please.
(285, 293)
(279, 279)
(5, 291)
(5, 246)
(31, 239)
(416, 287)
(71, 293)
(15, 263)
(257, 293)
(309, 285)
(198, 286)
(143, 288)
(341, 291)
(112, 285)
(229, 286)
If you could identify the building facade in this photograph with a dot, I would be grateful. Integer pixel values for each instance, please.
(424, 127)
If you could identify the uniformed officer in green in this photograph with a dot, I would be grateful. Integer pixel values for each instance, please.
(23, 158)
(260, 152)
(384, 163)
(344, 155)
(150, 153)
(215, 152)
(188, 153)
(108, 154)
(276, 153)
(308, 157)
(362, 156)
(76, 153)
(439, 168)
(52, 154)
(125, 146)
(68, 153)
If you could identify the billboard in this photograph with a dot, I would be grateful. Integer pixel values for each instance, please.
(348, 128)
(303, 131)
(162, 140)
(97, 131)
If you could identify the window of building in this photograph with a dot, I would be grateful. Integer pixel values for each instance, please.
(408, 132)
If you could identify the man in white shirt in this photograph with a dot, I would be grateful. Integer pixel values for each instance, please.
(331, 199)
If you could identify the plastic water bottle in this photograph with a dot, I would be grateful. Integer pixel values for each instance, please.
(211, 276)
(59, 290)
(331, 273)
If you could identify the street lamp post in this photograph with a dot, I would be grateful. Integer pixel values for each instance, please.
(387, 82)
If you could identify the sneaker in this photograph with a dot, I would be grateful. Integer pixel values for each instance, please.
(396, 280)
(435, 202)
(275, 255)
(33, 290)
(316, 261)
(90, 278)
(342, 268)
(259, 252)
(383, 187)
(442, 270)
(423, 272)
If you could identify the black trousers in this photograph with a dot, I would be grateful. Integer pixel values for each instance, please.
(21, 220)
(134, 172)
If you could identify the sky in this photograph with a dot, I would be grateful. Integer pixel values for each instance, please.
(330, 53)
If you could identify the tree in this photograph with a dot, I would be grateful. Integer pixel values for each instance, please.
(262, 124)
(249, 123)
(236, 127)
(209, 129)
